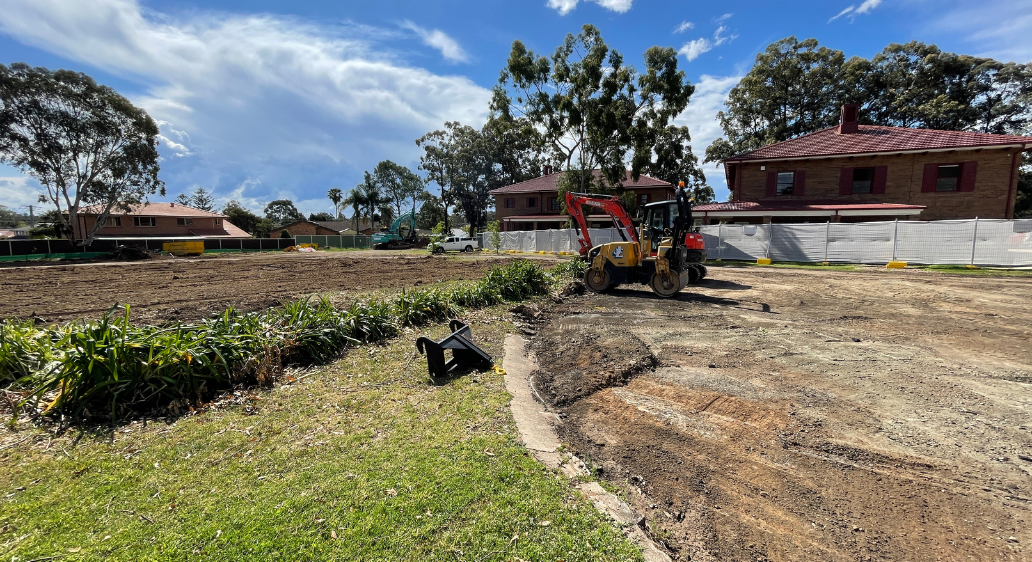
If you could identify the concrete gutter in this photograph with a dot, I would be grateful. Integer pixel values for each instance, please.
(537, 425)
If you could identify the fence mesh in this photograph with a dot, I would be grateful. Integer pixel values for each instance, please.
(990, 242)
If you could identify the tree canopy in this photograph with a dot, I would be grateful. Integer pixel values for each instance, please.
(397, 183)
(200, 199)
(797, 87)
(591, 109)
(282, 211)
(85, 144)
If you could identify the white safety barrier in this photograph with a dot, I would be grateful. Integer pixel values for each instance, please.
(990, 242)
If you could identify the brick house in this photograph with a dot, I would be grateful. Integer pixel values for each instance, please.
(160, 220)
(856, 172)
(534, 204)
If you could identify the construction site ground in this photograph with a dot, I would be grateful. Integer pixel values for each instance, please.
(190, 288)
(775, 414)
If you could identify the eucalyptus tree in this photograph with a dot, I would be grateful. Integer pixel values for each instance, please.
(87, 145)
(591, 109)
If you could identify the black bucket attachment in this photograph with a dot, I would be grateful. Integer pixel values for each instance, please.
(465, 353)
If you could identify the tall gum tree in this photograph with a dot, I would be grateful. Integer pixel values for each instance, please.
(86, 145)
(591, 109)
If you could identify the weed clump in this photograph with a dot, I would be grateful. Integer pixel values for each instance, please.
(110, 365)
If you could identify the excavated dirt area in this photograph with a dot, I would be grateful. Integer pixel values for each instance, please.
(771, 414)
(191, 288)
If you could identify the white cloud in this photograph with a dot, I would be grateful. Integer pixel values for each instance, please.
(994, 28)
(17, 191)
(852, 10)
(848, 10)
(566, 6)
(867, 6)
(685, 26)
(724, 18)
(696, 47)
(439, 40)
(292, 105)
(692, 49)
(701, 118)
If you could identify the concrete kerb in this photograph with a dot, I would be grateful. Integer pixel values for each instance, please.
(537, 431)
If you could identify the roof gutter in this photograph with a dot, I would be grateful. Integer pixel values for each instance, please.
(882, 153)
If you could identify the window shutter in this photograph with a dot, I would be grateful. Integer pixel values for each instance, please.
(772, 184)
(881, 173)
(967, 176)
(845, 181)
(800, 183)
(931, 175)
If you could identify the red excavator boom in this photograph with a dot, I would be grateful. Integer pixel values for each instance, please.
(611, 205)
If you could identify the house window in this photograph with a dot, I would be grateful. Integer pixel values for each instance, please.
(644, 198)
(553, 203)
(184, 222)
(786, 181)
(531, 202)
(948, 178)
(144, 221)
(863, 180)
(510, 202)
(114, 221)
(218, 222)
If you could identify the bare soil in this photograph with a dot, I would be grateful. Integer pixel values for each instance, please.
(187, 289)
(773, 414)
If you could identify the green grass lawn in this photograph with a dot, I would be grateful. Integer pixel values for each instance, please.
(361, 459)
(958, 269)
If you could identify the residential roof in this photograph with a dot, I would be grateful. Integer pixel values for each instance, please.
(876, 139)
(547, 183)
(228, 230)
(152, 210)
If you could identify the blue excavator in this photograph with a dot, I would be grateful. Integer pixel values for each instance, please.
(400, 236)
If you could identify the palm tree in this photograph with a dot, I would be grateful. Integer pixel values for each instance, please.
(356, 200)
(335, 196)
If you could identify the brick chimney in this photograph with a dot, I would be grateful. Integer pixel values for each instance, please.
(548, 169)
(850, 122)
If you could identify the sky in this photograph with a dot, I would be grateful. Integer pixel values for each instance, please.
(261, 100)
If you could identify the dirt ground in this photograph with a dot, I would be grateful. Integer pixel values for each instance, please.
(772, 414)
(187, 289)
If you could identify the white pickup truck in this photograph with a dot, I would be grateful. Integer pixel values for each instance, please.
(457, 244)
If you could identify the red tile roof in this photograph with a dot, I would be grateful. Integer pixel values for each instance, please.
(871, 138)
(753, 206)
(228, 230)
(153, 210)
(547, 183)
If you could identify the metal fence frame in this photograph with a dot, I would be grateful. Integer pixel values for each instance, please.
(980, 242)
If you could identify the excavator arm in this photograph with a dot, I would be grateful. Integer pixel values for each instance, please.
(611, 205)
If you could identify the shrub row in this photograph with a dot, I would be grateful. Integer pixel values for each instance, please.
(112, 366)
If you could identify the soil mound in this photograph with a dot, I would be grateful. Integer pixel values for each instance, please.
(579, 356)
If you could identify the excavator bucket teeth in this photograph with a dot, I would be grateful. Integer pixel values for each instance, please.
(465, 353)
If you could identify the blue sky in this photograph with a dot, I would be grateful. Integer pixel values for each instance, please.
(266, 99)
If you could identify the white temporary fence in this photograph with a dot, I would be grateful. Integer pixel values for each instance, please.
(991, 242)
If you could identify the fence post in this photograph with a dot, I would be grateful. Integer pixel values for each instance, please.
(49, 252)
(827, 238)
(974, 239)
(895, 237)
(720, 234)
(770, 235)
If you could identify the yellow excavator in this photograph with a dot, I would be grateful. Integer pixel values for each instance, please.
(662, 253)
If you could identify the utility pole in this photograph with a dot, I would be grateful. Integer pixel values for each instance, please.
(32, 218)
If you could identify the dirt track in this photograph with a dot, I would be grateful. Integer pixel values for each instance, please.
(797, 415)
(191, 288)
